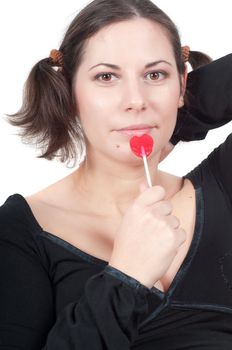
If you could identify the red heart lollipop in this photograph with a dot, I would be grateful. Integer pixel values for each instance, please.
(141, 144)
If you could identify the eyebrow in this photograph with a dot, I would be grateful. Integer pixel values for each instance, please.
(113, 66)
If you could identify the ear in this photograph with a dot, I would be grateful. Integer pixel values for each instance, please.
(184, 77)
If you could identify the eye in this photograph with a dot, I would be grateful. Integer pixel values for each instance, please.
(156, 76)
(105, 77)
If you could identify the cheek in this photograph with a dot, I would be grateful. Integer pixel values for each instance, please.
(168, 102)
(92, 102)
(93, 113)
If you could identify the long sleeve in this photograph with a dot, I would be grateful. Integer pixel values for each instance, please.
(105, 317)
(221, 166)
(209, 107)
(209, 91)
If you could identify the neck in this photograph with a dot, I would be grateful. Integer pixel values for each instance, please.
(111, 186)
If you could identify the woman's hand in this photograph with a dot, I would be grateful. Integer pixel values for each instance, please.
(148, 237)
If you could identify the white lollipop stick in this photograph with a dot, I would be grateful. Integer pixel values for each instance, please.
(146, 167)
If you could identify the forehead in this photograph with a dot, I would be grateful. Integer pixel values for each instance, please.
(132, 39)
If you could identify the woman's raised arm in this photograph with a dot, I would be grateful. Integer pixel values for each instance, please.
(209, 101)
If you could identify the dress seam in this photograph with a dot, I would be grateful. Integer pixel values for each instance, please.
(66, 245)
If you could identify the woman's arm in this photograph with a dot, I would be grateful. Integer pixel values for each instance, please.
(209, 101)
(210, 106)
(106, 317)
(221, 167)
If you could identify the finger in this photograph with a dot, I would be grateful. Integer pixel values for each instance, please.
(163, 207)
(172, 221)
(151, 195)
(182, 235)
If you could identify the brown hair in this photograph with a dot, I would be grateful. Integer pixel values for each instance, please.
(48, 116)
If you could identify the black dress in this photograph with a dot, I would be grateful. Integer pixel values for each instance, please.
(54, 296)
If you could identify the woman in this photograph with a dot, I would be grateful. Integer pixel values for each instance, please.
(98, 260)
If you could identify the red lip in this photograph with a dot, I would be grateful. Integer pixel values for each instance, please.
(137, 127)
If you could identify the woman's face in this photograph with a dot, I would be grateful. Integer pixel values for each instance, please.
(127, 84)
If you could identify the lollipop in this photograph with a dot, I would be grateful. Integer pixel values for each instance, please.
(142, 146)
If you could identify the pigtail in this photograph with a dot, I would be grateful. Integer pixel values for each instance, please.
(47, 116)
(197, 59)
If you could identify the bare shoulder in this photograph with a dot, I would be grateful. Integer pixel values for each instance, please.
(49, 194)
(174, 185)
(52, 201)
(63, 213)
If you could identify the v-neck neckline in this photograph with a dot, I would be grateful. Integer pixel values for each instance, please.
(98, 261)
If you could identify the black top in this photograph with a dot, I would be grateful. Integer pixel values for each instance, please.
(54, 296)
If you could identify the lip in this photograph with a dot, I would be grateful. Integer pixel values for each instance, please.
(136, 130)
(137, 127)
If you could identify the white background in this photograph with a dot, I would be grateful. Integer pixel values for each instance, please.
(30, 29)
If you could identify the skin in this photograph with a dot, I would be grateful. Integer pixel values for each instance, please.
(130, 95)
(107, 197)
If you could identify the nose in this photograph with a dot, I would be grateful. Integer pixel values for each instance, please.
(134, 98)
